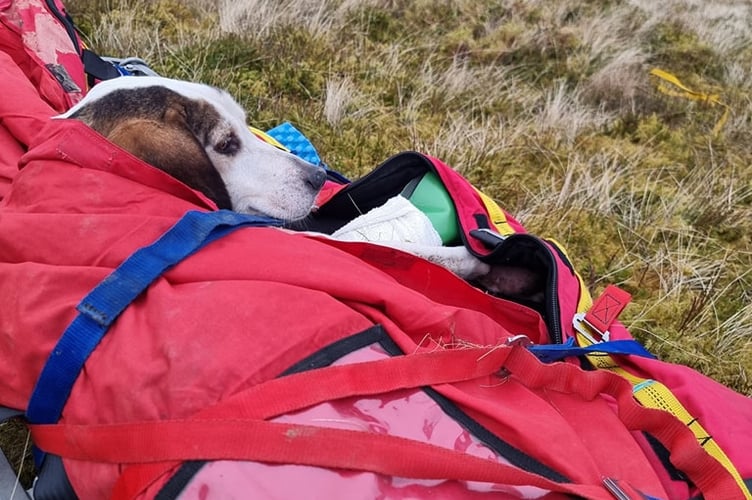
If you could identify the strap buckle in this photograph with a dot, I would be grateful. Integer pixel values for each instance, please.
(132, 65)
(512, 342)
(519, 340)
(584, 328)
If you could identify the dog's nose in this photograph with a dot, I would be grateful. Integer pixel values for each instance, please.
(316, 178)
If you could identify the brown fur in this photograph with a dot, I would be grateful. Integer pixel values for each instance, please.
(165, 130)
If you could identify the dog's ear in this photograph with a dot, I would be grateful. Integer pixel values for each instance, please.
(196, 116)
(173, 148)
(163, 128)
(175, 111)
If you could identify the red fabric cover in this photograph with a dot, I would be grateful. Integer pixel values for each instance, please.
(30, 38)
(215, 323)
(246, 308)
(22, 115)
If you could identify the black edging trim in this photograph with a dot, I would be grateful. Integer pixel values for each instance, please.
(7, 413)
(664, 456)
(320, 359)
(481, 220)
(177, 483)
(561, 255)
(370, 191)
(336, 350)
(67, 23)
(515, 456)
(526, 249)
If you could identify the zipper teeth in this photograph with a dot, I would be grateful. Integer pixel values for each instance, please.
(66, 24)
(556, 333)
(554, 311)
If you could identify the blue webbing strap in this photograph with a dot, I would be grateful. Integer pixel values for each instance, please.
(549, 353)
(99, 309)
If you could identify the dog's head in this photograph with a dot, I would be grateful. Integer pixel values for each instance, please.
(198, 134)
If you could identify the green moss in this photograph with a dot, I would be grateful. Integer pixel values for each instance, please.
(17, 449)
(546, 56)
(379, 25)
(678, 49)
(651, 129)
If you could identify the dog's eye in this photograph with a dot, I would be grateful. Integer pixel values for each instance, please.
(228, 145)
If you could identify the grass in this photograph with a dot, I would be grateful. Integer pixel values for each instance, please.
(549, 110)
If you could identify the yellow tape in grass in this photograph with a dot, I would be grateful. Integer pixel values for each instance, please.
(678, 89)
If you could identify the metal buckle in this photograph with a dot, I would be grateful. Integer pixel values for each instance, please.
(513, 341)
(587, 330)
(617, 490)
(520, 340)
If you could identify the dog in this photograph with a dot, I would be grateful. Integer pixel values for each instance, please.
(198, 135)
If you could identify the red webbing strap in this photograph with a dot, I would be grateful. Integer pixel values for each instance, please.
(686, 453)
(202, 438)
(284, 395)
(607, 308)
(286, 443)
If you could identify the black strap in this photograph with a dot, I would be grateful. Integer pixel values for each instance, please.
(97, 68)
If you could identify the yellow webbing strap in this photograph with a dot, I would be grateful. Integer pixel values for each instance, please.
(653, 394)
(687, 93)
(496, 214)
(585, 302)
(267, 138)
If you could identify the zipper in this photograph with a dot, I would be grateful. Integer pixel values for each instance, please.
(66, 22)
(553, 310)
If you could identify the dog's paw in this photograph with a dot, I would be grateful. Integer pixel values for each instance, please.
(470, 268)
(458, 260)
